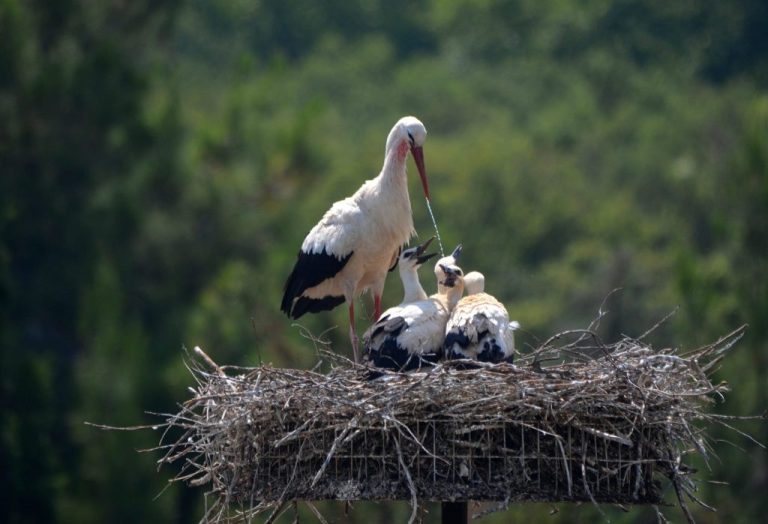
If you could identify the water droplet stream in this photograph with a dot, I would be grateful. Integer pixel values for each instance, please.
(434, 223)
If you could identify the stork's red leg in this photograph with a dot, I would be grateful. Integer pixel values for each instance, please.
(376, 307)
(352, 334)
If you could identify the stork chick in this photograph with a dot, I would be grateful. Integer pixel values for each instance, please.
(479, 326)
(450, 260)
(358, 239)
(410, 336)
(409, 262)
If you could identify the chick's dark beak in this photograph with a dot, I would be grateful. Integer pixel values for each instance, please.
(457, 253)
(423, 247)
(423, 258)
(420, 256)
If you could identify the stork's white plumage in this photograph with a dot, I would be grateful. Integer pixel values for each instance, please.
(479, 326)
(358, 239)
(411, 335)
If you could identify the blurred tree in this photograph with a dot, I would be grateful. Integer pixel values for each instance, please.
(271, 28)
(724, 284)
(71, 95)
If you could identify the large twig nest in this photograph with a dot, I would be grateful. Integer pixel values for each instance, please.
(600, 423)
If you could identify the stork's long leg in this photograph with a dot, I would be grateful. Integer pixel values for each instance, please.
(376, 307)
(352, 334)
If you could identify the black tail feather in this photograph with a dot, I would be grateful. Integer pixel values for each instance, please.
(310, 270)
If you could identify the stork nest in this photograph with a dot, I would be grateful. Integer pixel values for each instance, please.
(602, 423)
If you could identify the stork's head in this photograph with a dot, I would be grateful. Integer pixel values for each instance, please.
(450, 260)
(474, 282)
(410, 131)
(413, 257)
(451, 276)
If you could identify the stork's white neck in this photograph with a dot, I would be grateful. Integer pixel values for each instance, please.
(392, 203)
(393, 171)
(411, 285)
(449, 296)
(454, 295)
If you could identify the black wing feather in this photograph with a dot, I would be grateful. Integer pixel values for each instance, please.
(310, 270)
(389, 354)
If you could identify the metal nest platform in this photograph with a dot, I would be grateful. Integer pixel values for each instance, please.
(602, 423)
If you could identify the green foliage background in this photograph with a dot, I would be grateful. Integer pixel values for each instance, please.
(161, 161)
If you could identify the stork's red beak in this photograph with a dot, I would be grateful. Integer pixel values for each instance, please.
(418, 157)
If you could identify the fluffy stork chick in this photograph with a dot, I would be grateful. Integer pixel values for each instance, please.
(449, 261)
(358, 239)
(479, 326)
(410, 336)
(410, 261)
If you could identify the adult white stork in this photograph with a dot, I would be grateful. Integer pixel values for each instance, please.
(479, 326)
(410, 336)
(358, 239)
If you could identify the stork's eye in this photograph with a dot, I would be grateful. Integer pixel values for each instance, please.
(410, 137)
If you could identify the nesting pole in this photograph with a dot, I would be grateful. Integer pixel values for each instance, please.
(454, 513)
